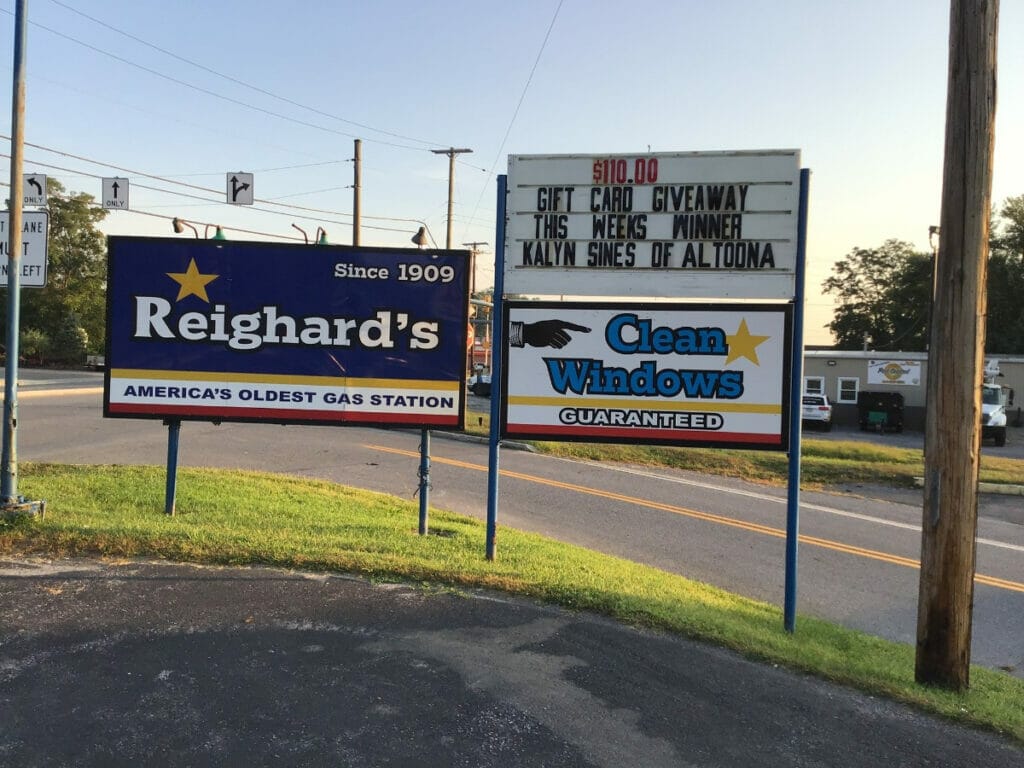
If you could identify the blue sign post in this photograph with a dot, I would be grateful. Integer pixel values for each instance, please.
(795, 408)
(497, 334)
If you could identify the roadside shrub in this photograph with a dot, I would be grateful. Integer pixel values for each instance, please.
(34, 345)
(70, 341)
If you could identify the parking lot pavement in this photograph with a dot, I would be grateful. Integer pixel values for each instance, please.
(155, 664)
(1014, 448)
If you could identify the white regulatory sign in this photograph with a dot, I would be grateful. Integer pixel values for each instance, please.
(33, 247)
(239, 188)
(115, 193)
(35, 189)
(669, 225)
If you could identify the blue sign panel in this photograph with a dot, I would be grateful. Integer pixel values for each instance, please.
(223, 331)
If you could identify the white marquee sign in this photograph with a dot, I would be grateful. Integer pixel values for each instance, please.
(685, 224)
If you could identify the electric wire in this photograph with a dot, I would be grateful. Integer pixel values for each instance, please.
(199, 223)
(214, 94)
(260, 90)
(255, 170)
(187, 185)
(242, 83)
(219, 202)
(519, 104)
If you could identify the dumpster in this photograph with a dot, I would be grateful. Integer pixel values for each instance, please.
(880, 411)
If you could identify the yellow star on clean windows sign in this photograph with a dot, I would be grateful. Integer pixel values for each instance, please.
(192, 282)
(744, 344)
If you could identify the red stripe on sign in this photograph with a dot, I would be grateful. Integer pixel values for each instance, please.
(514, 430)
(281, 413)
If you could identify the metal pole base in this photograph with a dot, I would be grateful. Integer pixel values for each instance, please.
(22, 507)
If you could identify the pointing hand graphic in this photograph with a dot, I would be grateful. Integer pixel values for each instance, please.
(545, 333)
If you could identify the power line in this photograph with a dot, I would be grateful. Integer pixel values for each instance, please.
(249, 207)
(208, 92)
(244, 84)
(259, 170)
(522, 97)
(167, 180)
(200, 223)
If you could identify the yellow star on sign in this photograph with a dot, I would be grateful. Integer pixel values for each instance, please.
(192, 282)
(744, 344)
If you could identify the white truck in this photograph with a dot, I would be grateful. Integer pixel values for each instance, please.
(995, 400)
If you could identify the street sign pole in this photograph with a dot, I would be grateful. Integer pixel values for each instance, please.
(9, 485)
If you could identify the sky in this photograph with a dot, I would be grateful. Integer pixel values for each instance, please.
(174, 96)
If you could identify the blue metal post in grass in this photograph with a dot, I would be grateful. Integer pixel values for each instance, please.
(424, 473)
(497, 345)
(795, 402)
(173, 433)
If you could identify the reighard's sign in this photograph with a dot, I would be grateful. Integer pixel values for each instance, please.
(676, 374)
(224, 331)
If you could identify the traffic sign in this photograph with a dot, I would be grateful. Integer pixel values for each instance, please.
(115, 193)
(35, 189)
(34, 226)
(239, 188)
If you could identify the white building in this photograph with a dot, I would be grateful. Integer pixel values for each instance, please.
(843, 374)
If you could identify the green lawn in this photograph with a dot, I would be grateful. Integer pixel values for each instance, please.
(233, 517)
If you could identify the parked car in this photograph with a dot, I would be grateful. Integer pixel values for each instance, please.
(480, 384)
(817, 410)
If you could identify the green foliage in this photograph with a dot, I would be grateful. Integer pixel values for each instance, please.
(884, 294)
(75, 281)
(70, 341)
(1005, 319)
(34, 344)
(883, 298)
(1009, 238)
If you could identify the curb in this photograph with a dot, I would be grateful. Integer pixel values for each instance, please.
(481, 440)
(1003, 489)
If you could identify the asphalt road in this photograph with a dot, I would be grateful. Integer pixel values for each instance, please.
(129, 664)
(857, 559)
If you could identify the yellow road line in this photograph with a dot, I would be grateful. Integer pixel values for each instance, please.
(765, 530)
(36, 393)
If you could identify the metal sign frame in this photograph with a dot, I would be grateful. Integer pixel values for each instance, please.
(794, 392)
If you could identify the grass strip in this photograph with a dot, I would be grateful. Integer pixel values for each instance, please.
(822, 462)
(242, 518)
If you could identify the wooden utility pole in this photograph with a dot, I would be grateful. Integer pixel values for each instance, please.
(956, 352)
(452, 152)
(357, 189)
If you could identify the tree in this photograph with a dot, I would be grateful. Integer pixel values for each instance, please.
(1010, 237)
(884, 293)
(71, 308)
(883, 298)
(1004, 332)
